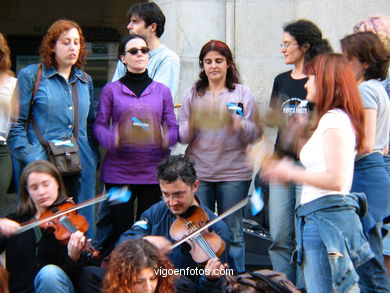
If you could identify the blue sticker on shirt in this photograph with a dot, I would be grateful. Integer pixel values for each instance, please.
(138, 122)
(235, 108)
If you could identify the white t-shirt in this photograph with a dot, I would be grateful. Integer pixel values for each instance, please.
(6, 93)
(312, 153)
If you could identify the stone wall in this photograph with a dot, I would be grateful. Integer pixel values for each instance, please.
(253, 30)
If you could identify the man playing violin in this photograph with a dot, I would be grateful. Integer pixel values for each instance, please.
(178, 182)
(35, 259)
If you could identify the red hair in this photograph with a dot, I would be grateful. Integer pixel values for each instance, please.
(128, 259)
(50, 39)
(232, 75)
(5, 59)
(336, 87)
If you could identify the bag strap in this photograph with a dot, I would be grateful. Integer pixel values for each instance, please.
(31, 117)
(75, 98)
(75, 108)
(273, 284)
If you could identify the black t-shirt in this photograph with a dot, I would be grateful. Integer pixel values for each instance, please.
(287, 92)
(289, 96)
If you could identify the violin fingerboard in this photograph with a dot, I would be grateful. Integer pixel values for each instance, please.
(64, 220)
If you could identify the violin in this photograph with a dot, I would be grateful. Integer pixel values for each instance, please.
(63, 227)
(205, 245)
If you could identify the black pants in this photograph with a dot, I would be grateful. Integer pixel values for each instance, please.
(6, 170)
(120, 217)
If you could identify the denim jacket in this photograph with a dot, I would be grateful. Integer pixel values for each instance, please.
(52, 109)
(337, 219)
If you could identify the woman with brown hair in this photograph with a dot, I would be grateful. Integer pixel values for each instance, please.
(218, 120)
(8, 112)
(330, 241)
(370, 62)
(52, 109)
(35, 259)
(134, 268)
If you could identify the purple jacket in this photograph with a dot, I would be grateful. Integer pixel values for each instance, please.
(133, 164)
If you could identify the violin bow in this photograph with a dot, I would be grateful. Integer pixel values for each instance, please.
(234, 208)
(117, 194)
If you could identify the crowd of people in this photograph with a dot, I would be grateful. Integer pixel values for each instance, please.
(329, 175)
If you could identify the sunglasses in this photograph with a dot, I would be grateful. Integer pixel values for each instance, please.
(134, 51)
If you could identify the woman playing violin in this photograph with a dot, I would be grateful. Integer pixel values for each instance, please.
(35, 259)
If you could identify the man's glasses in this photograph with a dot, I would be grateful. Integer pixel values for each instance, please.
(134, 51)
(285, 46)
(173, 196)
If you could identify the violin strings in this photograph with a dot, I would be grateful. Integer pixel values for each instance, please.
(202, 242)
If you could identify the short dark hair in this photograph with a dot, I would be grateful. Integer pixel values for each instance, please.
(176, 167)
(308, 35)
(124, 40)
(232, 74)
(151, 13)
(368, 48)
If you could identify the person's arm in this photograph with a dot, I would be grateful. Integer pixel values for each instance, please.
(120, 71)
(370, 100)
(249, 123)
(168, 73)
(91, 120)
(369, 130)
(8, 227)
(169, 123)
(187, 131)
(104, 133)
(76, 246)
(141, 228)
(274, 101)
(15, 102)
(333, 178)
(17, 139)
(212, 280)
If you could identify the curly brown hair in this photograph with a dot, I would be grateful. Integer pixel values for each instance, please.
(130, 258)
(51, 37)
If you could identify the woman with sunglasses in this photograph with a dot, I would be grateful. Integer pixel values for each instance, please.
(301, 42)
(136, 124)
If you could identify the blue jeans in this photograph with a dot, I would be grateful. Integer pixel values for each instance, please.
(372, 274)
(316, 267)
(282, 203)
(370, 177)
(227, 194)
(52, 278)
